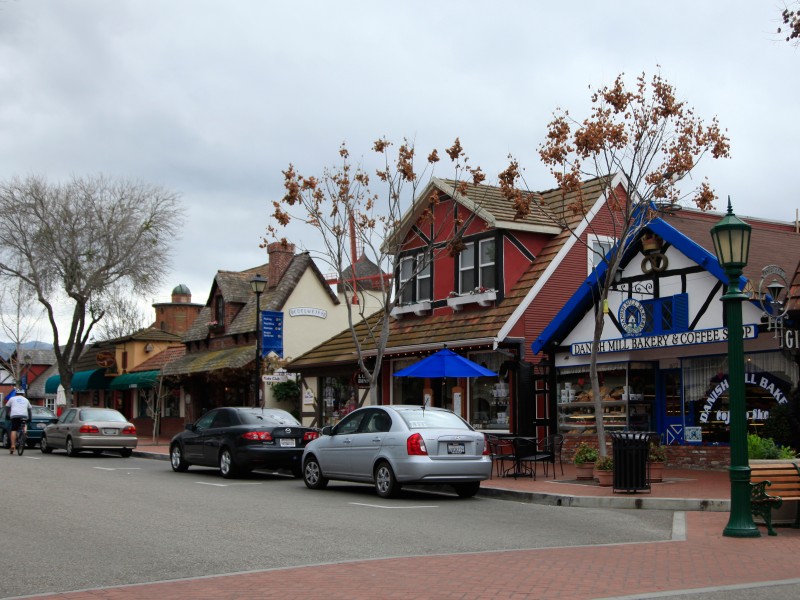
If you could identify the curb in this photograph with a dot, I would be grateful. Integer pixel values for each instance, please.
(627, 502)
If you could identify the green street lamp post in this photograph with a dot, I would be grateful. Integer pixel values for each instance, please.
(258, 284)
(732, 244)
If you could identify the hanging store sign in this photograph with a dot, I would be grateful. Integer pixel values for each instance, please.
(669, 340)
(271, 332)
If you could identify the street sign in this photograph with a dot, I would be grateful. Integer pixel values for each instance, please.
(277, 378)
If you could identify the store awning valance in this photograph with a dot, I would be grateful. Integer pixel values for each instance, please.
(140, 380)
(82, 381)
(211, 360)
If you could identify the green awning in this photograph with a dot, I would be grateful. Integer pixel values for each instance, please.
(81, 381)
(140, 380)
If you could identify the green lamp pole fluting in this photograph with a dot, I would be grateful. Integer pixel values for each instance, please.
(258, 284)
(732, 244)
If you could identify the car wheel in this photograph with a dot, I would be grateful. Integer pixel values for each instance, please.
(126, 452)
(226, 465)
(467, 490)
(44, 447)
(385, 482)
(6, 441)
(312, 475)
(71, 451)
(176, 459)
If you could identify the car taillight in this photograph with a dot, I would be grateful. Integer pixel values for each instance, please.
(310, 435)
(89, 429)
(258, 436)
(486, 447)
(129, 430)
(416, 446)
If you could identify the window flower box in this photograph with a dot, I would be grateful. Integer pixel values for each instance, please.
(214, 326)
(481, 298)
(418, 308)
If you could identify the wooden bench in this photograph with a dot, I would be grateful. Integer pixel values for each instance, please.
(783, 480)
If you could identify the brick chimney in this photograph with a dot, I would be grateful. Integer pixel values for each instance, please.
(280, 255)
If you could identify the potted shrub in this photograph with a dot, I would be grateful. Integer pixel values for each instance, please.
(584, 459)
(657, 457)
(604, 471)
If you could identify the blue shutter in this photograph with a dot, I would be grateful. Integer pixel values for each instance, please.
(680, 312)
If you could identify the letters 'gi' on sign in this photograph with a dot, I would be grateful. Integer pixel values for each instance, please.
(271, 332)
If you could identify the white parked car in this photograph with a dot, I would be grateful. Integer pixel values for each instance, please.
(390, 446)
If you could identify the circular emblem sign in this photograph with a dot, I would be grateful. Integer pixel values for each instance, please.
(631, 316)
(106, 358)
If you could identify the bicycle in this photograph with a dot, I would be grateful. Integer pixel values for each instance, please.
(22, 434)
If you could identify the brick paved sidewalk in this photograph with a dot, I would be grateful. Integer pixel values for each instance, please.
(705, 559)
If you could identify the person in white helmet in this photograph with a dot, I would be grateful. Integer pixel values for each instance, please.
(20, 413)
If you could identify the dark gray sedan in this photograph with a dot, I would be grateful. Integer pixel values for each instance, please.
(90, 428)
(390, 446)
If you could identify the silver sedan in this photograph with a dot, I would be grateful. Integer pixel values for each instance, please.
(89, 428)
(390, 446)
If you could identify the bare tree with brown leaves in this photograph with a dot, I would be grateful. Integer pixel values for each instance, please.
(342, 203)
(790, 18)
(651, 142)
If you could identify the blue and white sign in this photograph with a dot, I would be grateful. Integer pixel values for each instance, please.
(271, 332)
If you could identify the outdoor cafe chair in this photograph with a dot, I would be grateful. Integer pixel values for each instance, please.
(550, 452)
(502, 452)
(526, 451)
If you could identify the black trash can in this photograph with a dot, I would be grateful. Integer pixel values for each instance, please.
(630, 450)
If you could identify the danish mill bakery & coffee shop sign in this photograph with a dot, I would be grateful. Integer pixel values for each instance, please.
(686, 338)
(633, 318)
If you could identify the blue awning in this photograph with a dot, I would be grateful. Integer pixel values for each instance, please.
(82, 381)
(140, 380)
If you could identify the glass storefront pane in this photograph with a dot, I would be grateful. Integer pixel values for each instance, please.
(489, 396)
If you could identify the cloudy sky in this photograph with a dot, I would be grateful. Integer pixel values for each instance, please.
(213, 99)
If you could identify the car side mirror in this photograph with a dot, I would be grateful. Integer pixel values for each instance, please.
(327, 430)
(190, 427)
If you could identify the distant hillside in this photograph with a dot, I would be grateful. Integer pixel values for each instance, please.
(7, 348)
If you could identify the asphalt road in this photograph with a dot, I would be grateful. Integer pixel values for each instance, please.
(89, 521)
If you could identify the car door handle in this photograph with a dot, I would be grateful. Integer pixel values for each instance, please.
(347, 441)
(376, 439)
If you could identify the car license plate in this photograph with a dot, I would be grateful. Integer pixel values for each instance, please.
(288, 442)
(455, 448)
(108, 431)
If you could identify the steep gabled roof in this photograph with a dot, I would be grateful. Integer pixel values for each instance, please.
(157, 362)
(487, 326)
(237, 284)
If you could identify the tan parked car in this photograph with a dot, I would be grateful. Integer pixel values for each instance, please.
(89, 428)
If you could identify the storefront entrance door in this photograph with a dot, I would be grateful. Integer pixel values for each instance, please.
(670, 419)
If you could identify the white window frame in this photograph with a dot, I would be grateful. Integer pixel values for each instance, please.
(422, 274)
(462, 269)
(481, 265)
(404, 283)
(595, 243)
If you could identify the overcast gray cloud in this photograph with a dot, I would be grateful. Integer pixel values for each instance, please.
(214, 99)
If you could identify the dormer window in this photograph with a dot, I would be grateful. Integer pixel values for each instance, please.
(219, 310)
(480, 275)
(414, 279)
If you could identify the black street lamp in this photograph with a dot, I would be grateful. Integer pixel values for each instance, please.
(732, 244)
(258, 284)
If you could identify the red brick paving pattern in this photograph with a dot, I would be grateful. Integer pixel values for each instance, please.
(705, 559)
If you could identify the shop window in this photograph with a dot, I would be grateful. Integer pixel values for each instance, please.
(339, 397)
(666, 315)
(489, 396)
(474, 273)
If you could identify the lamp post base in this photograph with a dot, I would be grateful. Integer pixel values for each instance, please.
(740, 524)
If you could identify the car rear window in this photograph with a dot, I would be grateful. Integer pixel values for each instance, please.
(99, 414)
(269, 417)
(41, 411)
(432, 419)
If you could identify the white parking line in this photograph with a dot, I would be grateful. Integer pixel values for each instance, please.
(230, 484)
(119, 469)
(382, 506)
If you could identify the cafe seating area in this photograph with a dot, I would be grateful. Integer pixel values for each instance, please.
(520, 456)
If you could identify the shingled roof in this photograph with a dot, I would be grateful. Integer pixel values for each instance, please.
(463, 328)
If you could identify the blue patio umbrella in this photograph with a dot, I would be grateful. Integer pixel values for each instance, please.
(445, 363)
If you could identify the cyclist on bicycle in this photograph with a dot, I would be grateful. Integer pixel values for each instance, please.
(20, 413)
